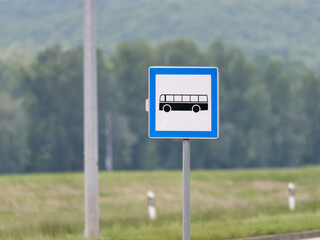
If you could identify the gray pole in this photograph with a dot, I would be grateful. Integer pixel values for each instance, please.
(91, 186)
(186, 189)
(108, 133)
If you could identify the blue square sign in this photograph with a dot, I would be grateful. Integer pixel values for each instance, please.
(183, 102)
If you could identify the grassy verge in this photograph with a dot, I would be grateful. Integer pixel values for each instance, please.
(224, 204)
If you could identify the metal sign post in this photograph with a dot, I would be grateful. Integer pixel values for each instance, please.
(186, 189)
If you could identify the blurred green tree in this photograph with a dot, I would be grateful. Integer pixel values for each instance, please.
(54, 104)
(279, 90)
(268, 113)
(243, 112)
(309, 95)
(12, 138)
(12, 144)
(130, 67)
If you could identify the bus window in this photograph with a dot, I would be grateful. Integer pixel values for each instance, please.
(177, 98)
(169, 98)
(186, 98)
(194, 98)
(162, 98)
(203, 98)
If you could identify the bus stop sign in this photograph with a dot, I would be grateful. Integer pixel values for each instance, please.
(183, 102)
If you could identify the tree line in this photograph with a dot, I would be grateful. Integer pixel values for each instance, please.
(253, 25)
(269, 111)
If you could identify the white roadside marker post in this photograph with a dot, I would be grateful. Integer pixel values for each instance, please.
(291, 196)
(151, 206)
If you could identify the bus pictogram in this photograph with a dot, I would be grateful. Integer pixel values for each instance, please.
(183, 102)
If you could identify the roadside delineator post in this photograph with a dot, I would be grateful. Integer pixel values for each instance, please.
(291, 199)
(151, 206)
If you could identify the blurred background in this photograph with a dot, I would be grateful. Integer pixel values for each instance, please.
(267, 53)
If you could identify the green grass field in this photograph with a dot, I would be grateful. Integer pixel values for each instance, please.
(224, 204)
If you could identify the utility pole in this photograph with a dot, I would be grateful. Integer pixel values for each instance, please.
(108, 133)
(91, 167)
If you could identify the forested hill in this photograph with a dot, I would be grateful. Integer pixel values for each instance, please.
(284, 28)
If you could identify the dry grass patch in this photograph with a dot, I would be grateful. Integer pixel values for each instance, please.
(223, 203)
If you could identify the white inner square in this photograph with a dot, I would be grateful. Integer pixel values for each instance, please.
(183, 120)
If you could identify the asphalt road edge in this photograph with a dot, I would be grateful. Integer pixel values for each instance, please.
(286, 236)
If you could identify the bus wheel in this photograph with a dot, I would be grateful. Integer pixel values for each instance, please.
(167, 108)
(196, 108)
